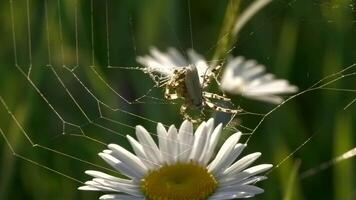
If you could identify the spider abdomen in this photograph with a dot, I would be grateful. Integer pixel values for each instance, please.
(193, 86)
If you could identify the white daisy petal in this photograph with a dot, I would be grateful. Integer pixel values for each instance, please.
(139, 151)
(247, 78)
(209, 128)
(162, 141)
(248, 181)
(120, 197)
(243, 163)
(163, 58)
(231, 195)
(94, 186)
(199, 142)
(120, 166)
(172, 143)
(242, 188)
(223, 153)
(120, 187)
(97, 174)
(230, 158)
(234, 178)
(213, 141)
(153, 66)
(165, 63)
(186, 139)
(177, 57)
(149, 145)
(128, 158)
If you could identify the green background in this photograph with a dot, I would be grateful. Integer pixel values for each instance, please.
(302, 41)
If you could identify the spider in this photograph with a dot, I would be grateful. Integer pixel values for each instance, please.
(185, 79)
(185, 84)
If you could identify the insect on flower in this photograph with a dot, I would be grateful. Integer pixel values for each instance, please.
(187, 79)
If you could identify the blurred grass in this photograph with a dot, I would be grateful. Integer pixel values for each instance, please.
(300, 41)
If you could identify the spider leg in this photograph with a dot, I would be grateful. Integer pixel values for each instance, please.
(215, 96)
(215, 69)
(184, 113)
(207, 78)
(221, 109)
(169, 95)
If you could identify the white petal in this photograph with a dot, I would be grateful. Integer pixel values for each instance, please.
(247, 78)
(138, 149)
(162, 58)
(223, 153)
(230, 158)
(162, 141)
(240, 191)
(97, 174)
(128, 158)
(120, 166)
(235, 178)
(120, 197)
(243, 163)
(177, 57)
(273, 87)
(94, 186)
(253, 71)
(152, 65)
(230, 195)
(209, 128)
(248, 181)
(90, 188)
(199, 142)
(210, 125)
(120, 187)
(149, 145)
(242, 188)
(108, 151)
(186, 139)
(213, 141)
(172, 144)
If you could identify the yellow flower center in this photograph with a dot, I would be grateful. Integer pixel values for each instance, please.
(181, 181)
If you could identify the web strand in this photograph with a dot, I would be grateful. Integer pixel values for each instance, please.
(323, 84)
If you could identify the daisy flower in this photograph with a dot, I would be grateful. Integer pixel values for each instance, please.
(248, 78)
(181, 167)
(164, 64)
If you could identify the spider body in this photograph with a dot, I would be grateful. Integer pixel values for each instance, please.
(187, 79)
(185, 84)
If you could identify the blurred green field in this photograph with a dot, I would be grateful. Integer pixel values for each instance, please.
(302, 41)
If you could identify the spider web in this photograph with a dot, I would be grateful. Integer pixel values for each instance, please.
(84, 100)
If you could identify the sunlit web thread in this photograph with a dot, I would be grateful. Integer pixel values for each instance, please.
(76, 103)
(317, 86)
(60, 23)
(58, 115)
(100, 76)
(345, 156)
(36, 145)
(79, 126)
(73, 99)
